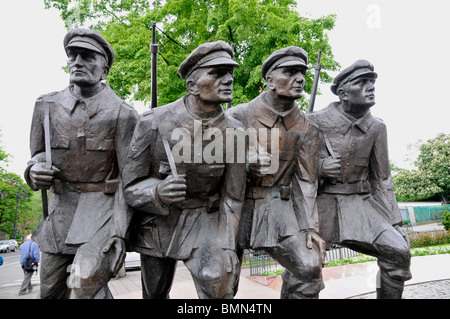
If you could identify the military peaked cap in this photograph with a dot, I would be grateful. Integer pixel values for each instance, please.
(357, 69)
(90, 40)
(289, 56)
(207, 54)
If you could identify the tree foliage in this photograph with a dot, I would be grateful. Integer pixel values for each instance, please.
(431, 178)
(255, 27)
(15, 195)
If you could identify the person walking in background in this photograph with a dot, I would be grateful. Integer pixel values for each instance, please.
(28, 249)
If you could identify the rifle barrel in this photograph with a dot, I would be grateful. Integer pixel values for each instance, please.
(312, 100)
(154, 52)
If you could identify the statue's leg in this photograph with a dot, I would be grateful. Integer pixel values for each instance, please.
(394, 260)
(54, 275)
(215, 272)
(89, 273)
(157, 276)
(303, 278)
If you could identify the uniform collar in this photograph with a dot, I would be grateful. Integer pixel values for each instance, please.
(217, 121)
(345, 122)
(178, 116)
(70, 102)
(268, 116)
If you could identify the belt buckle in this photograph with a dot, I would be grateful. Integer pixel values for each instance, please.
(81, 188)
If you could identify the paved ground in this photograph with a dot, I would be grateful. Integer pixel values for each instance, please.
(428, 290)
(431, 275)
(431, 280)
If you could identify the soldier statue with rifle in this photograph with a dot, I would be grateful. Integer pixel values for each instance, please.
(79, 139)
(356, 201)
(188, 210)
(280, 212)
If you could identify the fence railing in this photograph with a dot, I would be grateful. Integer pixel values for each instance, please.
(337, 252)
(261, 263)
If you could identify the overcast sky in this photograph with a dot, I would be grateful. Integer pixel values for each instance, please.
(406, 41)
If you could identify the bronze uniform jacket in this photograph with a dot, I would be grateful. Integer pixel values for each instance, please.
(364, 199)
(281, 204)
(215, 191)
(89, 140)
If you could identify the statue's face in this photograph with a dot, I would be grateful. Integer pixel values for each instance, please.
(86, 67)
(360, 93)
(215, 84)
(287, 82)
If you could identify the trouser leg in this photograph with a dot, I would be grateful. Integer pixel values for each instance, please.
(26, 284)
(91, 271)
(394, 260)
(157, 276)
(215, 272)
(303, 278)
(53, 275)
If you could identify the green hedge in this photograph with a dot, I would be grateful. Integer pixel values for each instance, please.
(429, 238)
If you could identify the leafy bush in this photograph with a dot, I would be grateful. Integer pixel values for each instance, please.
(446, 220)
(429, 238)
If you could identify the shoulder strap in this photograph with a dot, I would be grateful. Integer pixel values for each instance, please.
(29, 249)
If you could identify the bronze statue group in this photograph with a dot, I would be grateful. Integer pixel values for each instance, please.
(117, 182)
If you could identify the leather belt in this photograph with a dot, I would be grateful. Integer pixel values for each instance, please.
(107, 187)
(260, 192)
(359, 187)
(210, 202)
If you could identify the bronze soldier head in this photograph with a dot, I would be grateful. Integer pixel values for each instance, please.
(208, 71)
(355, 87)
(89, 57)
(284, 72)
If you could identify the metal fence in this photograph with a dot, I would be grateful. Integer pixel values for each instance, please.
(337, 252)
(261, 263)
(424, 213)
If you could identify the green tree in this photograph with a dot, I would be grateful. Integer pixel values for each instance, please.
(15, 195)
(431, 178)
(255, 27)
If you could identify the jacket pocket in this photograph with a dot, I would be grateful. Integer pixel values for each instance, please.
(96, 144)
(59, 141)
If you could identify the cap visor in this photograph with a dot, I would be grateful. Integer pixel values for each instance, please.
(220, 61)
(367, 73)
(83, 45)
(292, 63)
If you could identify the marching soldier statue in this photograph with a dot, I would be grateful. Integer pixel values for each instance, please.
(79, 140)
(188, 205)
(280, 212)
(356, 202)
